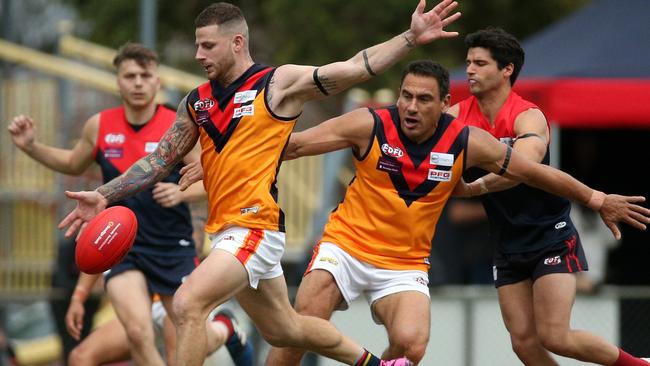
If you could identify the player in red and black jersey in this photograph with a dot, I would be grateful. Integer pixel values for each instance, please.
(538, 249)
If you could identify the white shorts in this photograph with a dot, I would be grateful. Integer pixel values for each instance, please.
(260, 251)
(354, 277)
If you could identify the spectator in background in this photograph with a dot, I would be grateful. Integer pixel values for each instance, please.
(461, 246)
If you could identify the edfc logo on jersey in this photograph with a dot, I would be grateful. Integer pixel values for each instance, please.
(203, 104)
(395, 152)
(114, 138)
(439, 175)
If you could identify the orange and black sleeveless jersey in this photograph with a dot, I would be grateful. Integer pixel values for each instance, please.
(242, 143)
(521, 218)
(389, 214)
(161, 231)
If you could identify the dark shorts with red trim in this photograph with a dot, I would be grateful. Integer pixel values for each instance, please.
(164, 274)
(566, 256)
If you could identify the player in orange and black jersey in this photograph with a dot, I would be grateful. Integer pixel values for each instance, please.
(243, 117)
(409, 158)
(538, 249)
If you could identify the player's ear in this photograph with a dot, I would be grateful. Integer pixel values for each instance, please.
(446, 102)
(238, 42)
(508, 70)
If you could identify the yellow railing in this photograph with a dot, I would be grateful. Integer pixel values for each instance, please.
(27, 243)
(59, 66)
(103, 56)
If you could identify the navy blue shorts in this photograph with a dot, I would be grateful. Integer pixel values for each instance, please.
(566, 256)
(164, 274)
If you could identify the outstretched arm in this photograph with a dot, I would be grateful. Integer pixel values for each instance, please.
(67, 161)
(173, 146)
(293, 85)
(352, 129)
(488, 153)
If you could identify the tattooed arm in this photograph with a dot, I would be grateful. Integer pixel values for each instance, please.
(293, 85)
(174, 145)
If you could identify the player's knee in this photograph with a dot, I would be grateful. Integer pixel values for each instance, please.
(524, 343)
(411, 343)
(555, 342)
(80, 356)
(185, 307)
(138, 334)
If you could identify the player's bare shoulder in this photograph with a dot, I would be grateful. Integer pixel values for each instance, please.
(285, 93)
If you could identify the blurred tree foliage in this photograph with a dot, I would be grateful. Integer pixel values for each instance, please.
(315, 32)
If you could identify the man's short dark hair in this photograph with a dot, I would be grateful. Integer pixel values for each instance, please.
(218, 14)
(430, 69)
(503, 46)
(136, 52)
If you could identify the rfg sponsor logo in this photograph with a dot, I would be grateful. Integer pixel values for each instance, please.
(439, 175)
(203, 104)
(560, 225)
(247, 110)
(553, 261)
(114, 138)
(395, 152)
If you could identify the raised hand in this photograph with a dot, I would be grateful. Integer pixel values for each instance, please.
(22, 131)
(89, 204)
(617, 208)
(429, 26)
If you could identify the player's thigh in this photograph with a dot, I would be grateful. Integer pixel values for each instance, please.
(516, 303)
(406, 315)
(130, 298)
(318, 294)
(218, 278)
(554, 297)
(269, 308)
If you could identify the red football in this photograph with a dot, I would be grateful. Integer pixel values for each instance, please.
(106, 239)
